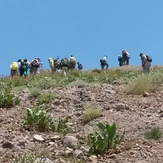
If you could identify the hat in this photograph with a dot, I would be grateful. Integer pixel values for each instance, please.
(25, 60)
(141, 53)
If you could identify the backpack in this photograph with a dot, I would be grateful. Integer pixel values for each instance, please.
(149, 59)
(23, 66)
(64, 62)
(55, 62)
(35, 63)
(101, 60)
(14, 66)
(80, 66)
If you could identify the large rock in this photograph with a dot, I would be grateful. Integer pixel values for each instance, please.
(70, 141)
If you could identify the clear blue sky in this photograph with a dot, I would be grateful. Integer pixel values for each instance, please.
(87, 29)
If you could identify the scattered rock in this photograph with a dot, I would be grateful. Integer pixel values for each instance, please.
(7, 144)
(38, 138)
(79, 153)
(145, 94)
(70, 141)
(69, 151)
(121, 107)
(93, 159)
(54, 138)
(43, 160)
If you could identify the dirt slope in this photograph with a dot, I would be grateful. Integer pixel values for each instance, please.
(133, 114)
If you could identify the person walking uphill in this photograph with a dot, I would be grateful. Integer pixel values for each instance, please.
(72, 62)
(51, 64)
(13, 69)
(126, 57)
(104, 63)
(146, 62)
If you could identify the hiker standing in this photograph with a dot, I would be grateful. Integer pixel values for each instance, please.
(35, 64)
(64, 65)
(80, 66)
(126, 57)
(51, 64)
(145, 59)
(72, 62)
(104, 62)
(23, 67)
(13, 69)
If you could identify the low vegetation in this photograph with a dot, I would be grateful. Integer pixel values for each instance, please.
(7, 98)
(145, 83)
(36, 153)
(37, 119)
(90, 112)
(154, 133)
(104, 137)
(47, 97)
(34, 92)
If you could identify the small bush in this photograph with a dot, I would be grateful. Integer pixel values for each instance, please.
(155, 133)
(46, 98)
(30, 156)
(43, 83)
(91, 112)
(38, 120)
(34, 92)
(105, 137)
(61, 125)
(7, 98)
(145, 83)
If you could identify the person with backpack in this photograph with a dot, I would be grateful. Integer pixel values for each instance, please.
(146, 62)
(64, 65)
(35, 64)
(51, 64)
(126, 57)
(103, 62)
(80, 66)
(120, 60)
(13, 69)
(72, 62)
(24, 67)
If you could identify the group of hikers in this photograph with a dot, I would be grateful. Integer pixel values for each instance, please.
(124, 58)
(64, 64)
(22, 67)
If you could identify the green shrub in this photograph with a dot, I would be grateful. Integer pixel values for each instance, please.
(43, 82)
(34, 92)
(155, 133)
(145, 83)
(61, 125)
(37, 119)
(46, 98)
(31, 155)
(91, 112)
(105, 137)
(7, 98)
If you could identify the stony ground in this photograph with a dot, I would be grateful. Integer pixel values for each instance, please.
(133, 114)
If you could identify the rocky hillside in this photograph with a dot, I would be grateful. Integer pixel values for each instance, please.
(133, 115)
